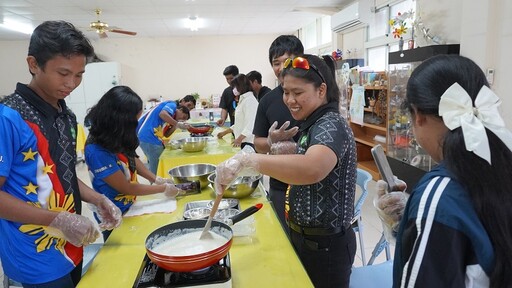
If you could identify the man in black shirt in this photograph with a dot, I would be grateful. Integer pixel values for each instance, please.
(227, 100)
(259, 90)
(272, 108)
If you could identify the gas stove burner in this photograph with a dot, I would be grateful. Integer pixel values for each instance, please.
(217, 275)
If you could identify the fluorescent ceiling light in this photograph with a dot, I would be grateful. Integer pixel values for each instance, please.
(17, 26)
(193, 23)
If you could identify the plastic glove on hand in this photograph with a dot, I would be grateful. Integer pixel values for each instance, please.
(183, 125)
(391, 204)
(242, 161)
(283, 147)
(281, 134)
(390, 207)
(161, 181)
(172, 191)
(109, 214)
(76, 229)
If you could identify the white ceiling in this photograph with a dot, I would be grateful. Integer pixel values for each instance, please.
(166, 18)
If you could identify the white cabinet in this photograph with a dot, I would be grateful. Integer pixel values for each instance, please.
(98, 78)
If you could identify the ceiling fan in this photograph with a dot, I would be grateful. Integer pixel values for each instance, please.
(102, 28)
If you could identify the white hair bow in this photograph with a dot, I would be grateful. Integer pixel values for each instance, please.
(457, 110)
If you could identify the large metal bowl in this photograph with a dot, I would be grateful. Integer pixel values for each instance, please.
(192, 172)
(174, 144)
(193, 144)
(243, 186)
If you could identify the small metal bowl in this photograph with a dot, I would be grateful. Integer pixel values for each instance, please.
(193, 144)
(197, 213)
(243, 186)
(223, 215)
(192, 172)
(224, 203)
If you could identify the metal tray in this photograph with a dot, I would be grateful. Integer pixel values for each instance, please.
(205, 204)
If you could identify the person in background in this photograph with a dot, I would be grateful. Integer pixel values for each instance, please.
(188, 101)
(227, 99)
(258, 89)
(272, 109)
(110, 151)
(245, 112)
(321, 168)
(158, 123)
(42, 231)
(457, 224)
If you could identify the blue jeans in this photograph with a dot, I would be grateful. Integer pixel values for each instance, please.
(67, 281)
(152, 153)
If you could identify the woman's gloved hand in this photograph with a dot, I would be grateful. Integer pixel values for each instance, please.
(109, 214)
(281, 134)
(390, 207)
(242, 163)
(283, 147)
(172, 191)
(161, 181)
(76, 229)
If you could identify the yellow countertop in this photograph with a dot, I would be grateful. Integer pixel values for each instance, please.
(215, 152)
(263, 259)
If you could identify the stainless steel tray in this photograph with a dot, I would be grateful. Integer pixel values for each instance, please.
(206, 204)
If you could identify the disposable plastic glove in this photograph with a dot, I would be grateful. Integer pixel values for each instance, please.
(390, 207)
(172, 191)
(241, 164)
(281, 134)
(108, 213)
(283, 147)
(161, 181)
(183, 125)
(76, 229)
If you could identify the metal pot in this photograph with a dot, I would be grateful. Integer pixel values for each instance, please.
(190, 262)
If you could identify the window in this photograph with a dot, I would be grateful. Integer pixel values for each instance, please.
(380, 41)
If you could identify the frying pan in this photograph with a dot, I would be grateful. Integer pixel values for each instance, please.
(199, 129)
(193, 262)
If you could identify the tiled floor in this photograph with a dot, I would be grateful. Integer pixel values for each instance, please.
(372, 228)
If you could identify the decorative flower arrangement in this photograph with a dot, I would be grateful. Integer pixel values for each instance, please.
(399, 24)
(337, 54)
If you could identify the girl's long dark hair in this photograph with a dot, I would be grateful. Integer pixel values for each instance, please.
(114, 121)
(489, 186)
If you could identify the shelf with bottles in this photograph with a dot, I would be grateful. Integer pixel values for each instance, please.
(402, 145)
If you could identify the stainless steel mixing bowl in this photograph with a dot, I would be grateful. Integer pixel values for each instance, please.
(243, 186)
(193, 144)
(192, 172)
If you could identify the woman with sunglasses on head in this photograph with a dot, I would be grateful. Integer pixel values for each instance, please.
(457, 224)
(321, 169)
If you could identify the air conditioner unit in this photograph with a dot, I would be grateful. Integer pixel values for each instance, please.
(349, 17)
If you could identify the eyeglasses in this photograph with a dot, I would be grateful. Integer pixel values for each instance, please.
(302, 63)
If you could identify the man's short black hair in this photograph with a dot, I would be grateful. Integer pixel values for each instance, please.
(254, 75)
(230, 70)
(189, 98)
(285, 44)
(54, 38)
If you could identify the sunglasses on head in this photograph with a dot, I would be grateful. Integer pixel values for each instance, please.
(302, 63)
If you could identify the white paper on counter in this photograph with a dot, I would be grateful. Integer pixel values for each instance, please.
(161, 205)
